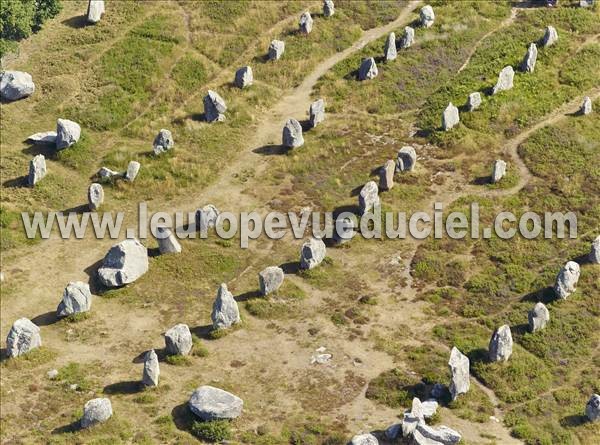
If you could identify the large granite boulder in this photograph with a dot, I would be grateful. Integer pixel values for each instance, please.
(459, 370)
(67, 133)
(528, 63)
(595, 252)
(15, 85)
(96, 411)
(328, 8)
(550, 36)
(501, 344)
(210, 403)
(406, 160)
(317, 112)
(225, 312)
(474, 101)
(163, 142)
(95, 196)
(586, 106)
(151, 371)
(505, 80)
(450, 117)
(567, 279)
(124, 263)
(306, 23)
(389, 51)
(42, 138)
(538, 317)
(276, 49)
(167, 241)
(312, 253)
(22, 338)
(499, 171)
(214, 107)
(408, 39)
(426, 16)
(368, 197)
(178, 340)
(292, 134)
(368, 69)
(76, 299)
(37, 170)
(364, 439)
(243, 77)
(270, 279)
(386, 175)
(95, 10)
(592, 408)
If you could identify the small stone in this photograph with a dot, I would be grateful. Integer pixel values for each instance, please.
(178, 340)
(408, 39)
(389, 51)
(22, 338)
(52, 374)
(505, 80)
(538, 317)
(386, 175)
(499, 171)
(95, 196)
(73, 386)
(441, 434)
(550, 36)
(592, 408)
(427, 17)
(76, 299)
(210, 403)
(270, 279)
(368, 198)
(459, 369)
(206, 218)
(15, 85)
(45, 137)
(312, 253)
(474, 101)
(95, 10)
(37, 170)
(317, 112)
(586, 106)
(225, 312)
(364, 439)
(214, 107)
(450, 117)
(292, 134)
(133, 169)
(163, 142)
(501, 343)
(124, 263)
(306, 23)
(151, 371)
(167, 241)
(368, 69)
(276, 49)
(328, 8)
(407, 159)
(67, 133)
(244, 77)
(595, 252)
(96, 411)
(567, 279)
(528, 63)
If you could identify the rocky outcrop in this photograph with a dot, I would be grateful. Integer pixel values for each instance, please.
(163, 142)
(95, 196)
(505, 80)
(76, 299)
(96, 411)
(459, 370)
(15, 85)
(528, 63)
(214, 107)
(426, 16)
(312, 253)
(124, 263)
(178, 340)
(368, 197)
(292, 134)
(276, 49)
(22, 338)
(244, 77)
(95, 11)
(368, 69)
(450, 117)
(407, 159)
(270, 279)
(67, 133)
(499, 171)
(210, 403)
(501, 344)
(306, 23)
(389, 51)
(151, 371)
(538, 317)
(567, 279)
(225, 312)
(37, 170)
(550, 36)
(317, 112)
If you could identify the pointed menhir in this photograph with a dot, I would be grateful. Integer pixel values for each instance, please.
(225, 311)
(151, 371)
(427, 17)
(368, 69)
(459, 368)
(291, 136)
(501, 344)
(306, 23)
(37, 170)
(550, 36)
(389, 51)
(450, 117)
(408, 39)
(528, 63)
(386, 175)
(567, 279)
(317, 112)
(499, 171)
(505, 80)
(214, 107)
(328, 8)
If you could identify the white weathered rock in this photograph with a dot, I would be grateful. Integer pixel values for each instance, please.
(95, 196)
(474, 101)
(407, 159)
(586, 106)
(416, 409)
(386, 175)
(429, 408)
(499, 171)
(317, 112)
(163, 142)
(550, 36)
(22, 338)
(96, 411)
(427, 17)
(364, 439)
(44, 137)
(15, 85)
(292, 134)
(151, 371)
(538, 317)
(124, 263)
(133, 169)
(586, 3)
(244, 77)
(76, 299)
(306, 23)
(450, 117)
(206, 217)
(276, 49)
(178, 340)
(52, 374)
(389, 51)
(95, 10)
(37, 170)
(442, 434)
(505, 80)
(368, 69)
(312, 253)
(459, 370)
(167, 241)
(214, 107)
(592, 408)
(210, 403)
(106, 173)
(67, 133)
(270, 279)
(225, 312)
(409, 423)
(328, 8)
(528, 63)
(418, 439)
(368, 197)
(408, 39)
(501, 344)
(567, 279)
(595, 252)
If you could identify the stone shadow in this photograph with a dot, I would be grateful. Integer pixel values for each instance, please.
(183, 418)
(77, 22)
(21, 181)
(45, 319)
(545, 295)
(69, 428)
(250, 295)
(573, 421)
(270, 150)
(290, 268)
(48, 150)
(83, 208)
(126, 387)
(203, 332)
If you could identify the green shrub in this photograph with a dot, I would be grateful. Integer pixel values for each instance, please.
(215, 431)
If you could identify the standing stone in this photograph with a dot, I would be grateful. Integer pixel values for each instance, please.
(386, 175)
(243, 77)
(368, 197)
(459, 368)
(133, 169)
(214, 107)
(364, 439)
(595, 252)
(206, 218)
(501, 344)
(592, 408)
(450, 117)
(550, 36)
(270, 279)
(567, 279)
(67, 133)
(276, 49)
(389, 51)
(505, 80)
(225, 312)
(292, 134)
(124, 263)
(528, 63)
(306, 23)
(408, 39)
(344, 230)
(586, 3)
(178, 340)
(76, 299)
(42, 138)
(22, 338)
(474, 101)
(328, 8)
(427, 16)
(95, 10)
(312, 253)
(210, 403)
(368, 69)
(96, 411)
(499, 171)
(317, 112)
(417, 409)
(586, 106)
(407, 159)
(95, 196)
(538, 317)
(167, 241)
(163, 142)
(151, 369)
(37, 170)
(15, 85)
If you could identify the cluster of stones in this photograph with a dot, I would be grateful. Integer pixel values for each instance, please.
(292, 134)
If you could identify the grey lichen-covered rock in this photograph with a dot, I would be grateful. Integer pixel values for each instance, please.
(306, 23)
(214, 107)
(586, 106)
(291, 136)
(538, 317)
(276, 49)
(15, 85)
(317, 112)
(474, 101)
(124, 263)
(441, 434)
(328, 8)
(408, 39)
(151, 371)
(22, 338)
(225, 312)
(450, 117)
(427, 17)
(505, 80)
(67, 133)
(550, 36)
(386, 175)
(133, 168)
(167, 241)
(178, 340)
(163, 142)
(459, 371)
(592, 408)
(501, 344)
(364, 439)
(389, 51)
(95, 10)
(368, 197)
(76, 299)
(368, 69)
(95, 196)
(244, 77)
(595, 252)
(37, 170)
(96, 411)
(407, 159)
(42, 138)
(567, 279)
(312, 253)
(499, 171)
(528, 63)
(270, 279)
(206, 218)
(210, 403)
